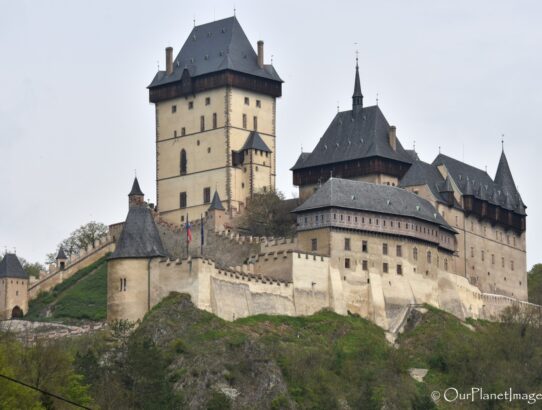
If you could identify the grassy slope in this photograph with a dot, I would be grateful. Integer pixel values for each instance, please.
(82, 296)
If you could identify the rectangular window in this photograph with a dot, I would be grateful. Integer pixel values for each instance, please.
(255, 123)
(365, 265)
(244, 121)
(502, 262)
(175, 134)
(206, 195)
(202, 123)
(258, 103)
(483, 255)
(472, 252)
(182, 200)
(190, 105)
(183, 131)
(384, 249)
(399, 251)
(346, 244)
(512, 265)
(364, 246)
(347, 263)
(247, 101)
(399, 269)
(215, 122)
(173, 109)
(314, 244)
(207, 100)
(385, 267)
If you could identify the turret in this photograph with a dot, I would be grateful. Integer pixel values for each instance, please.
(447, 191)
(136, 196)
(61, 258)
(13, 288)
(216, 213)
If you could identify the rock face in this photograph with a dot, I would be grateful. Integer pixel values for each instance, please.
(240, 369)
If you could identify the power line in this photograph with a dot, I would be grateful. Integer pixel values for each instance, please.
(44, 392)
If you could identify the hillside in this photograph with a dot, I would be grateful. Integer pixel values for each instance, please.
(535, 284)
(81, 297)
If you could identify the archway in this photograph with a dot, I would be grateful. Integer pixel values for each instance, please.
(16, 313)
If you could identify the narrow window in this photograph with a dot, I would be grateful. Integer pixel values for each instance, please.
(385, 267)
(384, 249)
(247, 101)
(347, 263)
(120, 289)
(483, 255)
(314, 244)
(202, 123)
(429, 257)
(502, 262)
(206, 195)
(512, 265)
(346, 244)
(364, 246)
(183, 162)
(445, 264)
(173, 109)
(258, 103)
(183, 131)
(175, 134)
(124, 283)
(365, 265)
(190, 105)
(493, 259)
(182, 201)
(255, 123)
(415, 253)
(207, 100)
(244, 121)
(215, 122)
(399, 269)
(472, 252)
(399, 251)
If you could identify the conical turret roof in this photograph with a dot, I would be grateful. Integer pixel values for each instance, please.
(61, 254)
(136, 190)
(216, 203)
(503, 177)
(11, 267)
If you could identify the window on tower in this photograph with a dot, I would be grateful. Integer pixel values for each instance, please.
(255, 123)
(258, 103)
(247, 101)
(183, 162)
(206, 195)
(207, 100)
(182, 200)
(183, 131)
(244, 120)
(215, 122)
(190, 105)
(202, 123)
(173, 109)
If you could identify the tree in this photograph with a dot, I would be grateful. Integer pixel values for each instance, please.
(269, 214)
(80, 239)
(534, 279)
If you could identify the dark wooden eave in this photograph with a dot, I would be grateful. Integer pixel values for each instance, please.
(192, 85)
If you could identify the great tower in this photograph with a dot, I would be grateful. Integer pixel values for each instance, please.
(215, 109)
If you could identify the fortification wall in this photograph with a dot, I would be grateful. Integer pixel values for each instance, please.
(98, 250)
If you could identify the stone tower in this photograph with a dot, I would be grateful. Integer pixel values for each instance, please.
(215, 106)
(13, 288)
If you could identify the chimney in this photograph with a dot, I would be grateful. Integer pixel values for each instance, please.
(260, 53)
(392, 137)
(169, 60)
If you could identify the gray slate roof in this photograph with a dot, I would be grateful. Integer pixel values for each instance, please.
(354, 135)
(503, 177)
(139, 237)
(471, 179)
(255, 141)
(422, 173)
(216, 203)
(365, 196)
(136, 190)
(217, 46)
(61, 254)
(11, 267)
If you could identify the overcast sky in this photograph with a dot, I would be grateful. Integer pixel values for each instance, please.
(75, 120)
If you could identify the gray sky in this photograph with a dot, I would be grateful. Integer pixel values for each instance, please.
(75, 119)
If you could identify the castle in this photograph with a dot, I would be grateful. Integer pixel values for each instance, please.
(378, 229)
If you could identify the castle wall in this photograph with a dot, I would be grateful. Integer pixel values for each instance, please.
(13, 292)
(74, 264)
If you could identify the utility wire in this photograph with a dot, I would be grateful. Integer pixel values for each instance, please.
(44, 392)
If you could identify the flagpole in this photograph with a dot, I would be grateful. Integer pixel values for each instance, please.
(187, 237)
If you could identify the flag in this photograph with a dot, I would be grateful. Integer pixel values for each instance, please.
(188, 230)
(202, 233)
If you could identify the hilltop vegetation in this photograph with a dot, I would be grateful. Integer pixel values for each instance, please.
(535, 284)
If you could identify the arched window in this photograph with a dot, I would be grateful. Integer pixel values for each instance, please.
(415, 253)
(183, 162)
(429, 257)
(446, 264)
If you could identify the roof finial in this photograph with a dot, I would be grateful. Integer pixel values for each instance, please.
(338, 108)
(439, 149)
(486, 168)
(414, 145)
(272, 59)
(194, 20)
(158, 65)
(357, 97)
(234, 10)
(135, 172)
(502, 142)
(376, 98)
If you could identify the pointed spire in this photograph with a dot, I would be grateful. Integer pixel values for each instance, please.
(216, 203)
(136, 190)
(61, 254)
(503, 177)
(357, 97)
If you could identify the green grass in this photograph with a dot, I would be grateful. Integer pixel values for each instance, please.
(83, 296)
